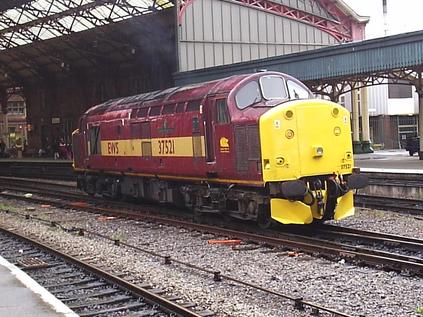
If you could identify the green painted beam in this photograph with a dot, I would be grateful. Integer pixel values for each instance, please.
(344, 60)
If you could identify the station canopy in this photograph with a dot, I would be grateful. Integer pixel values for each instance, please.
(40, 39)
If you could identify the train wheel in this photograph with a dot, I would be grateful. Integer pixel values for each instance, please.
(264, 220)
(198, 215)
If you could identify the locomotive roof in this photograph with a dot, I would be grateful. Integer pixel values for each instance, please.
(176, 94)
(169, 95)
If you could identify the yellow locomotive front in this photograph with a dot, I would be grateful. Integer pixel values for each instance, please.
(307, 161)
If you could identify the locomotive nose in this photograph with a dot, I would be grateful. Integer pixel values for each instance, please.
(307, 141)
(312, 136)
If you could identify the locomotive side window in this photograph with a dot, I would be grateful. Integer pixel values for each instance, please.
(142, 112)
(296, 91)
(134, 113)
(248, 95)
(193, 105)
(180, 107)
(168, 109)
(155, 111)
(94, 139)
(273, 87)
(222, 111)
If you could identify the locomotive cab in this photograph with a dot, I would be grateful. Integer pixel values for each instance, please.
(306, 150)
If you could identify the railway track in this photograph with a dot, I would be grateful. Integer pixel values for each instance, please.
(87, 289)
(386, 251)
(410, 206)
(298, 302)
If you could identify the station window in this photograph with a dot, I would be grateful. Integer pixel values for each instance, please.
(142, 112)
(248, 95)
(16, 107)
(155, 111)
(399, 89)
(222, 111)
(180, 107)
(193, 105)
(168, 109)
(95, 142)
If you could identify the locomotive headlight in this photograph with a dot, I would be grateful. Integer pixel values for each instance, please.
(289, 134)
(280, 161)
(318, 151)
(335, 112)
(337, 131)
(289, 114)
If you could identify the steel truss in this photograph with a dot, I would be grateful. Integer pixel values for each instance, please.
(335, 87)
(42, 19)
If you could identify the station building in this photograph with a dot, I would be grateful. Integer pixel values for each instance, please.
(13, 125)
(393, 113)
(64, 70)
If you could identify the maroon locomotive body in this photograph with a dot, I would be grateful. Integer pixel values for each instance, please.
(198, 146)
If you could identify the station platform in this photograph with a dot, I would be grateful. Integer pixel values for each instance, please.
(20, 295)
(383, 161)
(389, 161)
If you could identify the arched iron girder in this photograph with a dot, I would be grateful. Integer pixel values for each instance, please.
(342, 32)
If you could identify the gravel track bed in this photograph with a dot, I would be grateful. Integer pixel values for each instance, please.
(347, 288)
(385, 221)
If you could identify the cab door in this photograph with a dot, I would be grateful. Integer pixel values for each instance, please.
(218, 136)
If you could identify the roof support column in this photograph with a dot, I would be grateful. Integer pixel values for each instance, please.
(419, 90)
(355, 122)
(365, 122)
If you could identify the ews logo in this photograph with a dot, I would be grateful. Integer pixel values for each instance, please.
(113, 148)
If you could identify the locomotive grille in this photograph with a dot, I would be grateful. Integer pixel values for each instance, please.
(247, 146)
(241, 149)
(253, 143)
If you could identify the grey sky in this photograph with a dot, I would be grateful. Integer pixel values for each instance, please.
(403, 15)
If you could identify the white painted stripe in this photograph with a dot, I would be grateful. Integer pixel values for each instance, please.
(390, 170)
(44, 294)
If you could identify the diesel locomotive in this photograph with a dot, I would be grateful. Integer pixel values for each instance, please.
(256, 147)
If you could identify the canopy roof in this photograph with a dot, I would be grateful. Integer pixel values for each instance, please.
(39, 38)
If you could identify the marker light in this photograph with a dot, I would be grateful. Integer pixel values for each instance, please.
(318, 151)
(289, 134)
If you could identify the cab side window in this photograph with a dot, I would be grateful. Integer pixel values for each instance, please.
(94, 140)
(222, 111)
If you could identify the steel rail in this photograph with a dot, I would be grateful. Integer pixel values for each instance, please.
(300, 303)
(373, 235)
(414, 207)
(308, 244)
(166, 305)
